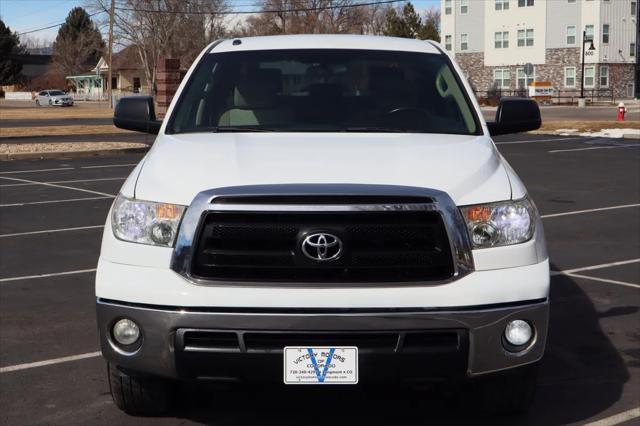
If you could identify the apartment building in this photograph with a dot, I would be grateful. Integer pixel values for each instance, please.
(492, 40)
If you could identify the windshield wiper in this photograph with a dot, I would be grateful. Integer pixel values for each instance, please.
(221, 129)
(374, 129)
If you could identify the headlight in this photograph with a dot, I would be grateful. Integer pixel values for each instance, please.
(500, 224)
(145, 222)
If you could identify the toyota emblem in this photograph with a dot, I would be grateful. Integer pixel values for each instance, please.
(322, 247)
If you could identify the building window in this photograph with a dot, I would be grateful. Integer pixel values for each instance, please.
(464, 41)
(530, 37)
(605, 33)
(589, 77)
(136, 84)
(464, 7)
(523, 3)
(502, 5)
(571, 1)
(447, 42)
(525, 37)
(632, 49)
(502, 78)
(571, 35)
(447, 7)
(114, 82)
(502, 40)
(524, 81)
(569, 76)
(634, 8)
(604, 76)
(588, 32)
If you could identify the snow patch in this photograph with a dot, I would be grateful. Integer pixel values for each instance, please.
(612, 133)
(602, 133)
(566, 132)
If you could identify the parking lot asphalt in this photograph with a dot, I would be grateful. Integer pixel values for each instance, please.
(588, 191)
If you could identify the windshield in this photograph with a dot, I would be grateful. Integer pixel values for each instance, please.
(56, 93)
(332, 90)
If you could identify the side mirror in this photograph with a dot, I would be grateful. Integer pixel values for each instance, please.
(515, 115)
(136, 113)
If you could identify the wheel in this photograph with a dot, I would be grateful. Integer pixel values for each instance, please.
(139, 395)
(509, 392)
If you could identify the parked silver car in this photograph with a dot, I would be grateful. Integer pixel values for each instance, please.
(53, 97)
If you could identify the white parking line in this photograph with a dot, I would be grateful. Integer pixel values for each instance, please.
(601, 209)
(600, 266)
(62, 181)
(109, 165)
(54, 274)
(593, 147)
(536, 140)
(616, 419)
(9, 172)
(36, 170)
(53, 185)
(68, 200)
(79, 228)
(26, 366)
(574, 272)
(603, 280)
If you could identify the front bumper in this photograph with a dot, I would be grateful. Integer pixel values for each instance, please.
(477, 350)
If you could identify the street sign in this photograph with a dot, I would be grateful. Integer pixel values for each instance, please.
(528, 68)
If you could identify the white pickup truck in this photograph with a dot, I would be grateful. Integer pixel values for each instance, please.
(323, 210)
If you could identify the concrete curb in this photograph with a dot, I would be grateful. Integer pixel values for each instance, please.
(627, 136)
(48, 136)
(71, 154)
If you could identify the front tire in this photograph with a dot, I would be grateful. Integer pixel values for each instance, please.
(139, 395)
(510, 392)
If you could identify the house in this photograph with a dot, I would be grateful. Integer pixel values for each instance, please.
(492, 41)
(128, 76)
(33, 66)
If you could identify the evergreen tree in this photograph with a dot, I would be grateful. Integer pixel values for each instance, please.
(79, 44)
(431, 28)
(407, 23)
(9, 46)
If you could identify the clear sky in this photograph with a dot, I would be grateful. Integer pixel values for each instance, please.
(26, 15)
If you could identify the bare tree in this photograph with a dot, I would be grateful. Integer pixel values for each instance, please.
(312, 17)
(171, 28)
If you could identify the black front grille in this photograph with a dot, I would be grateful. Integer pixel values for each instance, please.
(378, 246)
(269, 342)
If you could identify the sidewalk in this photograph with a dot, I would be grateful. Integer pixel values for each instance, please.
(573, 113)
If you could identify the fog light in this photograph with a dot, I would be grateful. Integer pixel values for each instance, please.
(518, 333)
(126, 332)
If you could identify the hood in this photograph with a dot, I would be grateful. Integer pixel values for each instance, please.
(178, 167)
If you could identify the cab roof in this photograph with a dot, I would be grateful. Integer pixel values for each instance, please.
(309, 41)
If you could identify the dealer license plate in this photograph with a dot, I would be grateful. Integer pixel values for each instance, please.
(321, 365)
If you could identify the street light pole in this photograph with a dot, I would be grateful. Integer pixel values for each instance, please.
(584, 36)
(110, 53)
(581, 101)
